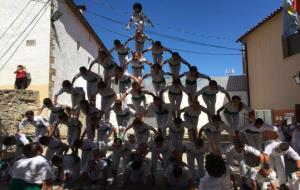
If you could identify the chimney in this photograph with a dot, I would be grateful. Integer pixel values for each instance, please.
(81, 8)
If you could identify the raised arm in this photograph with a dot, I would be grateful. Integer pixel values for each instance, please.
(148, 49)
(128, 40)
(92, 63)
(75, 78)
(201, 75)
(220, 109)
(183, 61)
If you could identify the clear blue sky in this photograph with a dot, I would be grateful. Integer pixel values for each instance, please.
(218, 22)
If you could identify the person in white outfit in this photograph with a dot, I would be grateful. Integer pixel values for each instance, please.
(32, 171)
(88, 147)
(196, 151)
(74, 128)
(39, 123)
(232, 112)
(105, 60)
(157, 52)
(191, 117)
(141, 130)
(20, 140)
(258, 134)
(108, 97)
(138, 18)
(158, 78)
(175, 63)
(274, 155)
(176, 132)
(191, 79)
(209, 95)
(163, 114)
(123, 52)
(217, 177)
(77, 94)
(92, 80)
(137, 62)
(54, 146)
(175, 92)
(140, 39)
(178, 176)
(90, 113)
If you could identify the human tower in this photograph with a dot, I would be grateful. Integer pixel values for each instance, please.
(97, 151)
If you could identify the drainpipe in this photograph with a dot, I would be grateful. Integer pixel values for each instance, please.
(246, 71)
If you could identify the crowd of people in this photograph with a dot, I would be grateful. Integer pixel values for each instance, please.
(97, 152)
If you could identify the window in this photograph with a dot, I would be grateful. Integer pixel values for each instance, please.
(266, 115)
(30, 42)
(291, 45)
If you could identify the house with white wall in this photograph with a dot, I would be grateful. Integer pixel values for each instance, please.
(52, 39)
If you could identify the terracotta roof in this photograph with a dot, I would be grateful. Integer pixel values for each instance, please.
(274, 13)
(85, 23)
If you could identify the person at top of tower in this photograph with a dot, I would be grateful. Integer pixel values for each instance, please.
(140, 39)
(157, 52)
(138, 18)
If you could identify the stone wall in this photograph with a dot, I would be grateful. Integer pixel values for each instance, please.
(13, 105)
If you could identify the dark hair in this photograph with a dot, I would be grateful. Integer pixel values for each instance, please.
(47, 102)
(213, 83)
(136, 164)
(29, 113)
(238, 143)
(118, 68)
(82, 69)
(175, 54)
(78, 143)
(177, 120)
(118, 140)
(66, 83)
(177, 171)
(56, 160)
(7, 141)
(101, 84)
(44, 140)
(236, 98)
(193, 68)
(157, 43)
(63, 116)
(137, 6)
(32, 149)
(199, 142)
(215, 118)
(137, 121)
(117, 42)
(259, 121)
(176, 81)
(158, 66)
(159, 139)
(215, 165)
(284, 146)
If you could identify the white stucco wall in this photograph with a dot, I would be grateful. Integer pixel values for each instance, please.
(32, 24)
(67, 57)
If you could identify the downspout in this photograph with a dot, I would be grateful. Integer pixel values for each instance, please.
(246, 70)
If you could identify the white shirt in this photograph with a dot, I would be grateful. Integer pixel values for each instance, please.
(270, 150)
(263, 182)
(106, 92)
(138, 63)
(215, 183)
(182, 180)
(172, 61)
(173, 90)
(207, 91)
(90, 77)
(32, 170)
(75, 91)
(38, 121)
(192, 149)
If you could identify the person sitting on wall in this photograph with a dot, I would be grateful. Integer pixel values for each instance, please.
(21, 78)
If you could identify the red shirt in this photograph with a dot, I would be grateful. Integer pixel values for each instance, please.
(21, 74)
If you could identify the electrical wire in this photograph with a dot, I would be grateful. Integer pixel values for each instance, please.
(17, 17)
(102, 2)
(38, 16)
